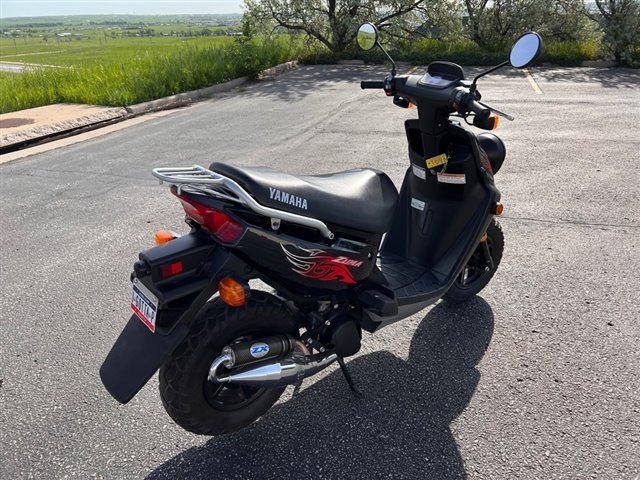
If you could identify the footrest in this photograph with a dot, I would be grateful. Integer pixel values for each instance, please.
(378, 302)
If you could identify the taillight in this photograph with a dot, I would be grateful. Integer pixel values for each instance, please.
(216, 222)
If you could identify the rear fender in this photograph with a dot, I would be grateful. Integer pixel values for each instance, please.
(138, 353)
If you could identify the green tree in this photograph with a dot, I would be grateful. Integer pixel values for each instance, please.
(333, 22)
(620, 21)
(496, 24)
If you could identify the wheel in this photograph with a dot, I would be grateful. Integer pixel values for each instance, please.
(206, 408)
(474, 276)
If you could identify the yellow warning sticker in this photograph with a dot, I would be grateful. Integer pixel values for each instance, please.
(434, 162)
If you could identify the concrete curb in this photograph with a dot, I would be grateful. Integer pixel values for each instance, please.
(278, 69)
(184, 98)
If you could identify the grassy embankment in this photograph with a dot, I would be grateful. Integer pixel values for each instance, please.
(125, 71)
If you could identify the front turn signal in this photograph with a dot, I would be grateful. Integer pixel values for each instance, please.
(232, 292)
(498, 209)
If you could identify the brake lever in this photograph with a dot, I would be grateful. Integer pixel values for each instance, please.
(511, 118)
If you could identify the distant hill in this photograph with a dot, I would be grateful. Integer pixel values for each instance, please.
(107, 20)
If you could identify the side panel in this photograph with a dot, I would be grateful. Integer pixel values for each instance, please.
(307, 264)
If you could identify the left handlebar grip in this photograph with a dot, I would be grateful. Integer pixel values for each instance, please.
(371, 84)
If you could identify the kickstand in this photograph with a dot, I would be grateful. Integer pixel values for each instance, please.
(343, 366)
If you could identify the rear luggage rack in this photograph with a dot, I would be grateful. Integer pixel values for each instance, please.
(198, 179)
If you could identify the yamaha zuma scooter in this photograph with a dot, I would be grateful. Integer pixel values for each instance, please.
(343, 252)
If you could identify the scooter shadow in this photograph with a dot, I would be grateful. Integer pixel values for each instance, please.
(400, 429)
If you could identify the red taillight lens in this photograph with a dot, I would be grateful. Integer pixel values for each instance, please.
(218, 223)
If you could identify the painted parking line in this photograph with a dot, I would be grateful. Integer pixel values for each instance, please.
(532, 82)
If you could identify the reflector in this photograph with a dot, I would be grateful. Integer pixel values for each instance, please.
(171, 269)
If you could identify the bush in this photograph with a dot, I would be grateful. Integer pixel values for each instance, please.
(569, 54)
(463, 52)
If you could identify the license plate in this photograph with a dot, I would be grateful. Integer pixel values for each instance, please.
(144, 304)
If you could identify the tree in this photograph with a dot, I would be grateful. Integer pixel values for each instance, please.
(497, 23)
(620, 21)
(475, 12)
(332, 22)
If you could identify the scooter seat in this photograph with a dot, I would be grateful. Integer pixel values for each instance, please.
(360, 199)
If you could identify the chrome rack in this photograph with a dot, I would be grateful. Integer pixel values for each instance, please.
(198, 179)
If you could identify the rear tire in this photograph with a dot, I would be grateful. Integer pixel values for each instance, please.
(206, 408)
(477, 276)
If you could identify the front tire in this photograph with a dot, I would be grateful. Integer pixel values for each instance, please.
(206, 408)
(474, 276)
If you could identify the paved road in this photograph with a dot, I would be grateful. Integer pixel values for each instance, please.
(22, 67)
(537, 378)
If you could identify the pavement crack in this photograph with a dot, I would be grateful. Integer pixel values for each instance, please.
(563, 221)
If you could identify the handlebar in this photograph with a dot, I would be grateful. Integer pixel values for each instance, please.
(371, 84)
(474, 106)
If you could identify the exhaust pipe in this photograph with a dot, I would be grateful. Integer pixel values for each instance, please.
(286, 371)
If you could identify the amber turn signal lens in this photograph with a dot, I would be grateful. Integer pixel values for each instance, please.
(232, 292)
(164, 236)
(499, 209)
(496, 122)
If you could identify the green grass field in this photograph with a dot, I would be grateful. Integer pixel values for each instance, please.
(124, 60)
(96, 49)
(137, 70)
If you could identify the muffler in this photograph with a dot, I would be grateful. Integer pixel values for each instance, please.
(273, 373)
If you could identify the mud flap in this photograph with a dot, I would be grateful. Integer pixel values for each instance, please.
(136, 356)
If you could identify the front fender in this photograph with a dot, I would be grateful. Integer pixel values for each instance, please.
(138, 353)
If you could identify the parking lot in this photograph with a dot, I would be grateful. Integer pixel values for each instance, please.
(536, 378)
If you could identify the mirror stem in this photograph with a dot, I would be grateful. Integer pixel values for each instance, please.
(393, 64)
(472, 88)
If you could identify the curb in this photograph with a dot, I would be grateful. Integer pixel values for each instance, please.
(182, 99)
(186, 98)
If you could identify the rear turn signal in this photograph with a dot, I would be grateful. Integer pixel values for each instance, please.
(232, 292)
(498, 209)
(164, 236)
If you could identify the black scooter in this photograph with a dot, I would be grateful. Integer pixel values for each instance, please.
(343, 252)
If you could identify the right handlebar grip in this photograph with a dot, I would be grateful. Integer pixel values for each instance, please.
(481, 111)
(371, 84)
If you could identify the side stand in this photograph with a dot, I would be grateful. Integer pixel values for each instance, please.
(347, 376)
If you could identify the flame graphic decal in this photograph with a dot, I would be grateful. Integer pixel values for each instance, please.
(318, 265)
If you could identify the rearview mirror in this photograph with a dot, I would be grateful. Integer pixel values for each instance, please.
(525, 50)
(367, 36)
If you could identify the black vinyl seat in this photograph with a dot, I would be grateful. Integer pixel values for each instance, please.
(360, 199)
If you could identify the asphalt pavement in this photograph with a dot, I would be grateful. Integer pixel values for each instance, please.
(537, 378)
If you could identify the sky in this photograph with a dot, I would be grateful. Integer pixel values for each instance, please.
(42, 8)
